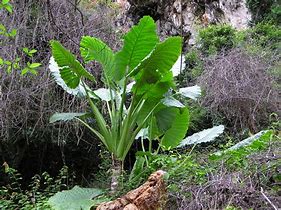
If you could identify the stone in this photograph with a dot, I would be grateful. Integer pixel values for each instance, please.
(190, 13)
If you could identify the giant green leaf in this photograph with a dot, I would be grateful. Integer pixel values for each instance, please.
(206, 135)
(165, 118)
(148, 105)
(94, 49)
(70, 69)
(138, 43)
(176, 133)
(190, 92)
(55, 72)
(76, 199)
(65, 116)
(247, 142)
(153, 76)
(162, 58)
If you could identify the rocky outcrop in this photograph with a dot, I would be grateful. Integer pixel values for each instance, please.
(183, 17)
(151, 195)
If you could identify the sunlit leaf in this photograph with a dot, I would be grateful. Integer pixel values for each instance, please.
(245, 142)
(179, 66)
(104, 94)
(204, 136)
(171, 101)
(191, 92)
(70, 69)
(55, 72)
(65, 116)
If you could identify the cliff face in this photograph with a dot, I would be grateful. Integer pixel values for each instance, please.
(184, 17)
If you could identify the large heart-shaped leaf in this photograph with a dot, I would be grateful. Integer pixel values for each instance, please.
(176, 133)
(246, 142)
(65, 116)
(70, 69)
(76, 199)
(191, 92)
(55, 72)
(162, 58)
(94, 49)
(138, 43)
(206, 135)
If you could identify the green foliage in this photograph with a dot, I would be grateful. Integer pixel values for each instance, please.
(5, 4)
(94, 49)
(198, 117)
(28, 52)
(266, 34)
(30, 67)
(10, 65)
(193, 169)
(194, 63)
(144, 60)
(71, 70)
(76, 198)
(138, 43)
(236, 156)
(216, 37)
(5, 32)
(192, 69)
(174, 135)
(12, 196)
(275, 13)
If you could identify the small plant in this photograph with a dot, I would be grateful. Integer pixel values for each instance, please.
(15, 64)
(13, 196)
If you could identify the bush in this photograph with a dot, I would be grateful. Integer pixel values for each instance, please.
(216, 37)
(266, 34)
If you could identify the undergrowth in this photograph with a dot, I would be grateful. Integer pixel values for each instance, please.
(14, 196)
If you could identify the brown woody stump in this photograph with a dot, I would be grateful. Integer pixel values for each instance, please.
(152, 195)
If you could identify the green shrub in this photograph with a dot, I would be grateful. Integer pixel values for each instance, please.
(216, 37)
(266, 34)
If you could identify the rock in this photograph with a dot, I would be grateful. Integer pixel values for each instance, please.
(152, 195)
(184, 17)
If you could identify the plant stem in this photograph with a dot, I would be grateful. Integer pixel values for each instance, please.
(116, 174)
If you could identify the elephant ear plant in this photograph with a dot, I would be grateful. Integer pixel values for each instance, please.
(138, 91)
